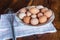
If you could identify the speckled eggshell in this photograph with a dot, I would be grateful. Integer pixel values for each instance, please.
(34, 10)
(26, 19)
(21, 15)
(34, 21)
(48, 13)
(43, 19)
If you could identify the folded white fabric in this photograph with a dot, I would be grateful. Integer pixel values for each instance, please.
(22, 30)
(5, 26)
(5, 21)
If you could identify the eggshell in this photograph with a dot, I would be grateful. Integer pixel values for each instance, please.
(23, 10)
(40, 14)
(34, 10)
(34, 21)
(39, 7)
(48, 13)
(21, 15)
(29, 7)
(44, 10)
(28, 14)
(33, 16)
(43, 19)
(26, 19)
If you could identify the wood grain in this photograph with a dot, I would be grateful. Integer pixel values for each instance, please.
(52, 4)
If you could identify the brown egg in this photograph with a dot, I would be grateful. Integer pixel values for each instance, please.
(40, 14)
(26, 19)
(48, 13)
(34, 10)
(23, 10)
(34, 21)
(44, 10)
(28, 14)
(43, 19)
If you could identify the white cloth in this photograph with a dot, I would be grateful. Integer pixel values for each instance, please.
(21, 30)
(5, 26)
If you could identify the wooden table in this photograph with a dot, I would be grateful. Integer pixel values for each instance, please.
(52, 4)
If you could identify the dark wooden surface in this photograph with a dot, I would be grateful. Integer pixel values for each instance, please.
(52, 4)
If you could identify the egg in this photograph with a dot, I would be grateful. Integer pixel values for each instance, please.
(44, 9)
(34, 21)
(33, 16)
(39, 7)
(48, 13)
(29, 7)
(39, 14)
(21, 15)
(28, 14)
(43, 19)
(23, 10)
(34, 10)
(26, 19)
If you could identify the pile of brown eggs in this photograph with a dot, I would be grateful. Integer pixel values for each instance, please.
(34, 15)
